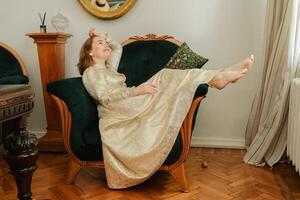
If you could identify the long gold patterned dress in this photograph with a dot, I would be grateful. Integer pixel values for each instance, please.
(138, 132)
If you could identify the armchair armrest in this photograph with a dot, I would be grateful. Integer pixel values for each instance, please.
(201, 90)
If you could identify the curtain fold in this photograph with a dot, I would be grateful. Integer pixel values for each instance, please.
(266, 131)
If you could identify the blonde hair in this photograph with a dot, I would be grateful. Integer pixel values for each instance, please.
(85, 59)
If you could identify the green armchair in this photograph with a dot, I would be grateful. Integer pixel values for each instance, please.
(142, 57)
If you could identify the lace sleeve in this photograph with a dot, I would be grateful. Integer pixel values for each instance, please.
(116, 53)
(102, 90)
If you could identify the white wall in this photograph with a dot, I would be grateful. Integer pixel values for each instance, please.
(223, 30)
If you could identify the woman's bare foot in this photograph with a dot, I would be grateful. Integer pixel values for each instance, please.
(231, 74)
(223, 78)
(243, 66)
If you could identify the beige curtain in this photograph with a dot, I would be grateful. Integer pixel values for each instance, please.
(266, 131)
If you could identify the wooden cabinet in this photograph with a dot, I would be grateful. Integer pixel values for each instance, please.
(51, 53)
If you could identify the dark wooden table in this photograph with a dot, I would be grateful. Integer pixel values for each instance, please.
(20, 147)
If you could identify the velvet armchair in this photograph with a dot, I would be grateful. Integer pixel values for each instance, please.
(142, 57)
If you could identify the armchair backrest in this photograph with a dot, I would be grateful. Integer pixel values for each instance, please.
(144, 56)
(12, 68)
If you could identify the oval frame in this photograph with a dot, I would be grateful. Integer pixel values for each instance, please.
(107, 14)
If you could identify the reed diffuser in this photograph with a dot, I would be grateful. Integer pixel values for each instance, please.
(43, 28)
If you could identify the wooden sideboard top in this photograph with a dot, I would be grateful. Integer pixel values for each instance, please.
(36, 34)
(5, 89)
(15, 100)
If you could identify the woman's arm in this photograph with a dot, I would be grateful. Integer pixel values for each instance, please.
(108, 98)
(126, 92)
(98, 86)
(116, 53)
(96, 83)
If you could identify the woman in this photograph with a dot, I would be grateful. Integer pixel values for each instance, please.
(139, 125)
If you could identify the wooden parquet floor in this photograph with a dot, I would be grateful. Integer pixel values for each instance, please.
(226, 177)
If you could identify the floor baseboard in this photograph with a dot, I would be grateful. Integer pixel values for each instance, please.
(218, 142)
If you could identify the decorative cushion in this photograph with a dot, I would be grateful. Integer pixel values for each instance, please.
(185, 58)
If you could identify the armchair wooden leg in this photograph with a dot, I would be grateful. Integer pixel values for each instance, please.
(180, 177)
(73, 171)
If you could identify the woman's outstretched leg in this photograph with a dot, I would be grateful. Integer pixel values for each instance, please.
(231, 74)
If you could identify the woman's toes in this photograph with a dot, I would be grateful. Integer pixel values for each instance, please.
(226, 77)
(244, 71)
(244, 64)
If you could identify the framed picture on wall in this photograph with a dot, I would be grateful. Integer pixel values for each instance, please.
(107, 9)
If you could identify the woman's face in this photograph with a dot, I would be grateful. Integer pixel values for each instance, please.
(100, 49)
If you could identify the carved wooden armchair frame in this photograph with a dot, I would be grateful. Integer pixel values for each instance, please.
(176, 169)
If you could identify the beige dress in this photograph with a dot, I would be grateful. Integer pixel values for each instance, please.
(138, 132)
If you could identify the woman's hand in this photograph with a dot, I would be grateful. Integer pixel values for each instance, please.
(92, 32)
(145, 88)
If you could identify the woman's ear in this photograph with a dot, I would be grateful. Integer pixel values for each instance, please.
(91, 54)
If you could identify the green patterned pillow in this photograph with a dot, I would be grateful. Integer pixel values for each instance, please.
(185, 58)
